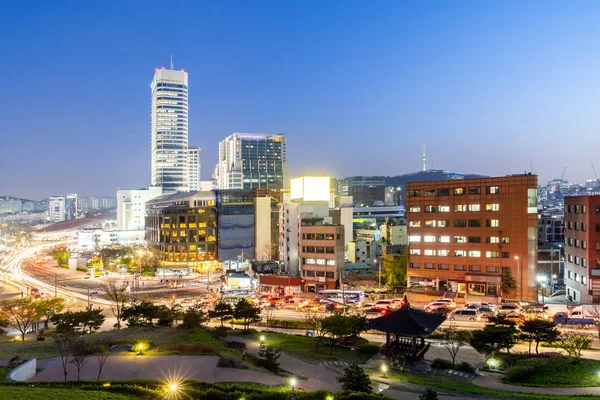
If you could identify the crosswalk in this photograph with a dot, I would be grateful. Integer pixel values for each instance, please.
(338, 364)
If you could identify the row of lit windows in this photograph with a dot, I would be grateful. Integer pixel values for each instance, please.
(319, 236)
(457, 191)
(575, 276)
(457, 239)
(458, 253)
(319, 261)
(318, 249)
(577, 243)
(458, 223)
(457, 208)
(492, 269)
(577, 260)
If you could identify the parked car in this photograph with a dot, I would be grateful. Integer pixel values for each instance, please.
(465, 314)
(479, 305)
(451, 303)
(516, 317)
(487, 311)
(384, 304)
(508, 308)
(436, 305)
(397, 303)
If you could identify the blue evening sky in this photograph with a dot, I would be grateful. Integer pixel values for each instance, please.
(358, 87)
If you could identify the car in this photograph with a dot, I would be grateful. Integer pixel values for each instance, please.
(451, 303)
(487, 311)
(465, 314)
(516, 317)
(379, 310)
(435, 305)
(479, 305)
(397, 303)
(384, 304)
(308, 307)
(441, 310)
(508, 308)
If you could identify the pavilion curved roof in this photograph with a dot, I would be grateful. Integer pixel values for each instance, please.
(407, 321)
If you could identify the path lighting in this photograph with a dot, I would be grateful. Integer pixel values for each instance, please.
(262, 339)
(140, 347)
(383, 370)
(493, 363)
(293, 383)
(329, 397)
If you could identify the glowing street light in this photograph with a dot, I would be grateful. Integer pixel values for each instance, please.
(140, 347)
(293, 383)
(262, 339)
(492, 362)
(383, 370)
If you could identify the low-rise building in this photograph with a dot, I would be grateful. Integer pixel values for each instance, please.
(321, 255)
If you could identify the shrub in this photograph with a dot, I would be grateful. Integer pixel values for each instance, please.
(519, 374)
(268, 356)
(369, 348)
(465, 367)
(355, 379)
(282, 323)
(188, 348)
(236, 344)
(249, 331)
(220, 332)
(441, 363)
(429, 395)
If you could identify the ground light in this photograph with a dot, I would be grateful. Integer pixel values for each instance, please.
(140, 347)
(262, 339)
(329, 397)
(492, 363)
(383, 370)
(293, 383)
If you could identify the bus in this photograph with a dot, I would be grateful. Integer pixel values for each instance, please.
(337, 296)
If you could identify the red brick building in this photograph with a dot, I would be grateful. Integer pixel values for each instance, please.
(321, 256)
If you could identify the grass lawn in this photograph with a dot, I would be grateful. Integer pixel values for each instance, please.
(33, 393)
(305, 348)
(560, 371)
(462, 386)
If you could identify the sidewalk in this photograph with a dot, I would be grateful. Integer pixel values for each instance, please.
(491, 382)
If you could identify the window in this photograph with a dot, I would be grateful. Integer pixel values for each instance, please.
(429, 239)
(460, 208)
(414, 265)
(577, 243)
(584, 280)
(584, 244)
(329, 250)
(429, 252)
(320, 249)
(329, 275)
(443, 223)
(492, 254)
(597, 227)
(506, 239)
(459, 268)
(584, 209)
(459, 191)
(492, 207)
(444, 239)
(415, 252)
(598, 246)
(492, 190)
(570, 241)
(492, 223)
(414, 209)
(570, 209)
(414, 193)
(474, 190)
(474, 207)
(443, 253)
(576, 208)
(429, 192)
(474, 253)
(460, 253)
(474, 239)
(584, 262)
(331, 263)
(443, 192)
(460, 239)
(532, 201)
(414, 224)
(492, 239)
(474, 223)
(444, 209)
(429, 209)
(576, 226)
(444, 267)
(429, 266)
(475, 268)
(461, 223)
(310, 261)
(570, 274)
(414, 239)
(505, 254)
(321, 261)
(576, 276)
(570, 258)
(577, 260)
(492, 269)
(430, 223)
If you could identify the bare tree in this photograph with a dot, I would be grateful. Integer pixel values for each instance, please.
(21, 314)
(101, 350)
(80, 353)
(268, 313)
(594, 312)
(64, 343)
(116, 294)
(454, 340)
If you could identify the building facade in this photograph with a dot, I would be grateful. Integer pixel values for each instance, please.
(169, 125)
(551, 228)
(582, 249)
(236, 226)
(321, 255)
(62, 208)
(463, 233)
(253, 160)
(194, 168)
(131, 207)
(363, 189)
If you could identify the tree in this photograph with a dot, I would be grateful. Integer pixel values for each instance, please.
(574, 343)
(315, 324)
(116, 295)
(355, 379)
(50, 307)
(507, 282)
(430, 394)
(222, 311)
(194, 317)
(80, 353)
(499, 333)
(394, 270)
(539, 330)
(246, 311)
(61, 255)
(64, 343)
(453, 340)
(142, 313)
(3, 324)
(78, 321)
(92, 319)
(268, 357)
(337, 326)
(101, 350)
(20, 314)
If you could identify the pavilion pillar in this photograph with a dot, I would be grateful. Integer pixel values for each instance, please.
(387, 338)
(414, 345)
(397, 338)
(422, 342)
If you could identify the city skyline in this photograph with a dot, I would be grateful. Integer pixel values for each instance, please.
(406, 75)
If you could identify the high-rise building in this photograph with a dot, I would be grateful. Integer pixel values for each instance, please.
(464, 233)
(582, 248)
(363, 189)
(253, 160)
(194, 168)
(131, 207)
(62, 208)
(169, 118)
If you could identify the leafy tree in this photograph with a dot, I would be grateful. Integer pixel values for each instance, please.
(394, 270)
(80, 353)
(21, 314)
(507, 282)
(430, 394)
(355, 379)
(359, 324)
(61, 255)
(51, 306)
(142, 313)
(574, 343)
(498, 334)
(194, 317)
(78, 321)
(454, 339)
(222, 311)
(101, 350)
(337, 326)
(539, 330)
(268, 356)
(117, 296)
(246, 311)
(95, 261)
(3, 324)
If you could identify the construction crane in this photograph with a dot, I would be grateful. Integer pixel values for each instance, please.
(594, 169)
(562, 177)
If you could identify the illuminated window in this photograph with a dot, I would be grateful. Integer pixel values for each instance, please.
(429, 252)
(331, 262)
(429, 239)
(444, 209)
(443, 223)
(492, 190)
(444, 239)
(414, 239)
(460, 239)
(474, 207)
(474, 253)
(492, 223)
(414, 209)
(459, 191)
(430, 224)
(492, 254)
(460, 208)
(429, 209)
(492, 239)
(415, 252)
(492, 207)
(429, 192)
(460, 253)
(414, 224)
(443, 253)
(532, 201)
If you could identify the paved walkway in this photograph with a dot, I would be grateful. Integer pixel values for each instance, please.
(492, 382)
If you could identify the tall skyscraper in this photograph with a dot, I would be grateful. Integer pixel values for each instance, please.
(253, 160)
(169, 119)
(62, 208)
(194, 168)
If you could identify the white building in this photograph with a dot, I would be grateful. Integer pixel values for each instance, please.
(253, 160)
(194, 168)
(62, 208)
(169, 118)
(131, 207)
(93, 239)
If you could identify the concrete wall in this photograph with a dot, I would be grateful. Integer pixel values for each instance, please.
(23, 372)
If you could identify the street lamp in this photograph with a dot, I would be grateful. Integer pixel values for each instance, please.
(383, 370)
(292, 385)
(262, 339)
(542, 279)
(140, 348)
(520, 277)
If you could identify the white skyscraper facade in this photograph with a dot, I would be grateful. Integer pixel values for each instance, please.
(194, 168)
(169, 118)
(62, 208)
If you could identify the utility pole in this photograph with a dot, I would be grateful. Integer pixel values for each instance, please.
(88, 306)
(55, 282)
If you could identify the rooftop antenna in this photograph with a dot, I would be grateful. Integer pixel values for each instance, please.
(172, 64)
(424, 159)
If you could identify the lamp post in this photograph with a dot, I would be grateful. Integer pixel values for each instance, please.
(383, 370)
(292, 385)
(520, 278)
(541, 279)
(379, 291)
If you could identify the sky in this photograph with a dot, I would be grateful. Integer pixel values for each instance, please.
(357, 86)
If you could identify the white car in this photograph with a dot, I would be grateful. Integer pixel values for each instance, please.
(450, 302)
(436, 305)
(384, 304)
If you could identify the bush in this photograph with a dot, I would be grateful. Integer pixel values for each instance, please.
(355, 379)
(441, 363)
(183, 348)
(236, 344)
(519, 374)
(429, 395)
(249, 331)
(465, 367)
(282, 323)
(369, 348)
(220, 332)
